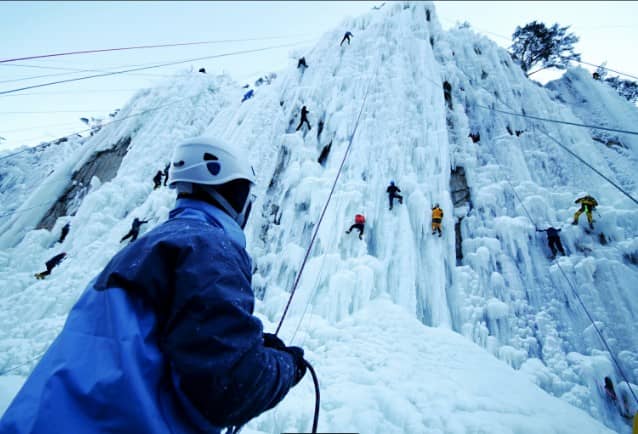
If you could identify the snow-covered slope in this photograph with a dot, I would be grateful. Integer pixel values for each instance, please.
(404, 328)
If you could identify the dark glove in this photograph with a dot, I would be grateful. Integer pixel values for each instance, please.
(300, 363)
(272, 341)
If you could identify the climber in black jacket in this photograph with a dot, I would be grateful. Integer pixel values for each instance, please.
(304, 118)
(392, 191)
(553, 240)
(135, 230)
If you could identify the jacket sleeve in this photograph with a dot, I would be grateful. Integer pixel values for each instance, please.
(213, 341)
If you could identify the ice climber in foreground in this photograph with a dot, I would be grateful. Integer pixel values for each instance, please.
(164, 339)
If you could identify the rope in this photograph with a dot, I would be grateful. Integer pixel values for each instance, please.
(580, 301)
(597, 127)
(323, 212)
(590, 166)
(315, 380)
(137, 47)
(6, 371)
(603, 67)
(310, 299)
(106, 74)
(598, 331)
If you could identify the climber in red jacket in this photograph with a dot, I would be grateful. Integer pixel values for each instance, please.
(359, 223)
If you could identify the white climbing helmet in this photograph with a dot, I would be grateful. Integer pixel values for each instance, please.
(207, 161)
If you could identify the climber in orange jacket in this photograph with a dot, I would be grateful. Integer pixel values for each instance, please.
(437, 217)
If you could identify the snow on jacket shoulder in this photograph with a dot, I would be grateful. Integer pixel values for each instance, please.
(163, 340)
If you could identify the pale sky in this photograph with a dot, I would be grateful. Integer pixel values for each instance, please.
(606, 32)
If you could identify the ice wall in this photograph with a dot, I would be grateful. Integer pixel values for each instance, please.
(386, 305)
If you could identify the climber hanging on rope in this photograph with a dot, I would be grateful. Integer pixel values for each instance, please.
(164, 339)
(359, 224)
(553, 240)
(304, 118)
(392, 191)
(437, 217)
(587, 205)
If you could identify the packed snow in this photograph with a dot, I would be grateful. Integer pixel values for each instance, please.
(478, 332)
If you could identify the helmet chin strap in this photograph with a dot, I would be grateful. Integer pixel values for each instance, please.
(240, 217)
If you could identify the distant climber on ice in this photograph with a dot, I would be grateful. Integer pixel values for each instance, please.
(587, 205)
(157, 180)
(553, 240)
(65, 231)
(346, 37)
(51, 264)
(393, 191)
(164, 339)
(302, 62)
(437, 218)
(359, 224)
(609, 389)
(304, 118)
(135, 230)
(166, 168)
(248, 95)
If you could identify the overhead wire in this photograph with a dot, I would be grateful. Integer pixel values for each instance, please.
(233, 53)
(619, 188)
(139, 47)
(116, 120)
(557, 121)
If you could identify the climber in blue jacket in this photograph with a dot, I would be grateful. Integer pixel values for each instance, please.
(164, 339)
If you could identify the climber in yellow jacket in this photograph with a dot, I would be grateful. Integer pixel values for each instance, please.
(437, 217)
(587, 205)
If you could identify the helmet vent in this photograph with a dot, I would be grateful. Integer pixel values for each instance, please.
(210, 157)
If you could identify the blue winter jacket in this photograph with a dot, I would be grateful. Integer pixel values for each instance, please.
(162, 341)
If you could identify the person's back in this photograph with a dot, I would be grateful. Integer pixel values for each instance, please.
(147, 348)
